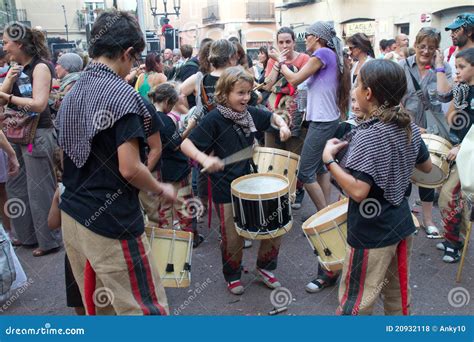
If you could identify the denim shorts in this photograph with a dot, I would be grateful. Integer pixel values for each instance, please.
(311, 162)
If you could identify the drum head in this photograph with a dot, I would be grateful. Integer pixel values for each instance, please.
(435, 178)
(329, 215)
(260, 185)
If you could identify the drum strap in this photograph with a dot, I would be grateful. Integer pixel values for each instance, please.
(244, 143)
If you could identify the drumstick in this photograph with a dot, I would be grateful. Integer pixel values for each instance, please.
(259, 86)
(464, 252)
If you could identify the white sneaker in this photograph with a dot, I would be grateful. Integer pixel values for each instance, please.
(268, 278)
(248, 243)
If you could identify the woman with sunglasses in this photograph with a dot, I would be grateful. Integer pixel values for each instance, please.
(361, 51)
(427, 72)
(328, 99)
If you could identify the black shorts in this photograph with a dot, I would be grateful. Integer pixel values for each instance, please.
(73, 295)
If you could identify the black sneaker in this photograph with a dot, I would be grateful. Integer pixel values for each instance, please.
(298, 200)
(451, 255)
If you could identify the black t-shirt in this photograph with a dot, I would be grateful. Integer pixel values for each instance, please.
(96, 195)
(375, 222)
(23, 87)
(174, 164)
(188, 69)
(462, 124)
(216, 133)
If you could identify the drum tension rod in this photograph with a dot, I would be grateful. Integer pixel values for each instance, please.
(187, 266)
(285, 172)
(169, 268)
(327, 252)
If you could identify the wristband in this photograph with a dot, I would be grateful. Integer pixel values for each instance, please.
(329, 163)
(443, 70)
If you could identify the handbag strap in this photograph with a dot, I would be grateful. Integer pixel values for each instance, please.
(426, 104)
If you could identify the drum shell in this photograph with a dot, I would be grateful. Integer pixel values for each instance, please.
(277, 161)
(334, 235)
(439, 149)
(160, 242)
(271, 226)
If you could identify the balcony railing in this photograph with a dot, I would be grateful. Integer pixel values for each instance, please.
(260, 11)
(21, 15)
(210, 14)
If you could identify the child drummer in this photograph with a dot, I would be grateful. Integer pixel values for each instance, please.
(380, 160)
(453, 203)
(225, 130)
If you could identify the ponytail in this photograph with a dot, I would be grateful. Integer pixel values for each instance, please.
(399, 116)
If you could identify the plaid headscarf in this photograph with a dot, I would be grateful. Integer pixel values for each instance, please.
(243, 119)
(325, 30)
(96, 102)
(383, 151)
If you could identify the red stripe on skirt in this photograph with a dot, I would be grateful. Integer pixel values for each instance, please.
(149, 277)
(355, 310)
(209, 201)
(89, 288)
(347, 281)
(402, 256)
(133, 278)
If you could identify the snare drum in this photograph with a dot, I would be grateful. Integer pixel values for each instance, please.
(276, 161)
(172, 251)
(326, 232)
(439, 149)
(261, 206)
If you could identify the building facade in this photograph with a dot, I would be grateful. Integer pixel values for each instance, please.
(379, 19)
(250, 22)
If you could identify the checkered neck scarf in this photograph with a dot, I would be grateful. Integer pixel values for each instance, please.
(460, 95)
(243, 119)
(96, 102)
(383, 151)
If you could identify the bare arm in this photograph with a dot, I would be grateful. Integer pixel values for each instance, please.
(136, 173)
(54, 215)
(358, 190)
(309, 69)
(425, 166)
(154, 142)
(209, 163)
(188, 87)
(40, 95)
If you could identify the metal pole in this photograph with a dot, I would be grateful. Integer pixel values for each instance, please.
(66, 25)
(141, 21)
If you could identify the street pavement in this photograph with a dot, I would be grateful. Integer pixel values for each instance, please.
(434, 290)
